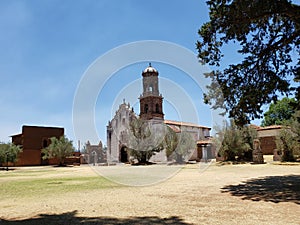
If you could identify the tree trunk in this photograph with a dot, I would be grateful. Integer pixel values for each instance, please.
(143, 157)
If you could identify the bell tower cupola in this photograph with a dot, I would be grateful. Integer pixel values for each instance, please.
(151, 100)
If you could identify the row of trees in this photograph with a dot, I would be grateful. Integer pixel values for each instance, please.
(145, 139)
(236, 142)
(9, 153)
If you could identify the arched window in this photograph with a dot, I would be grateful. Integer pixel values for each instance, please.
(146, 108)
(157, 108)
(150, 88)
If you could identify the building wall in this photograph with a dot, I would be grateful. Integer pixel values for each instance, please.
(267, 145)
(117, 135)
(267, 137)
(94, 153)
(29, 157)
(33, 139)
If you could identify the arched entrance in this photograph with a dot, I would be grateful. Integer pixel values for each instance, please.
(123, 154)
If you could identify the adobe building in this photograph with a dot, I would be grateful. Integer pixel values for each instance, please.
(151, 110)
(32, 140)
(267, 136)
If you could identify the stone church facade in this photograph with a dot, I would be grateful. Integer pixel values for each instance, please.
(117, 136)
(151, 110)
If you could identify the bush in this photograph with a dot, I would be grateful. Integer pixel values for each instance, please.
(233, 142)
(288, 141)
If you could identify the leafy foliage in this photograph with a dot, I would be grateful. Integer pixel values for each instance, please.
(59, 148)
(145, 139)
(232, 141)
(268, 33)
(288, 141)
(178, 146)
(9, 152)
(186, 145)
(170, 141)
(279, 113)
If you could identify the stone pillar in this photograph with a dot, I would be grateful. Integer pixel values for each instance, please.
(257, 153)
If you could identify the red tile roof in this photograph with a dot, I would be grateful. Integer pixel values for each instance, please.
(177, 123)
(272, 127)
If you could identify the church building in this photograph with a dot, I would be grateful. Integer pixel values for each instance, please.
(151, 110)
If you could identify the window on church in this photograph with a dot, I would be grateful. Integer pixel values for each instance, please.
(150, 89)
(157, 108)
(123, 121)
(146, 108)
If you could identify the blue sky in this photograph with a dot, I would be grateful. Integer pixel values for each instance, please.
(46, 47)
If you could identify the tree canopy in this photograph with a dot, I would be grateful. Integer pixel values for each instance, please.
(279, 113)
(267, 33)
(288, 141)
(232, 141)
(145, 139)
(9, 152)
(186, 145)
(59, 148)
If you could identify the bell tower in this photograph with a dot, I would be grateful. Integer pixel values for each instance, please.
(151, 100)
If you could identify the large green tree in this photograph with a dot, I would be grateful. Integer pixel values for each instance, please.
(234, 142)
(59, 148)
(145, 139)
(9, 153)
(186, 146)
(279, 113)
(288, 141)
(171, 141)
(179, 146)
(267, 33)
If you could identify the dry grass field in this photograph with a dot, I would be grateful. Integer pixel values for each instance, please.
(221, 194)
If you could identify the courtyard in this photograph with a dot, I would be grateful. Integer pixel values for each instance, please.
(195, 194)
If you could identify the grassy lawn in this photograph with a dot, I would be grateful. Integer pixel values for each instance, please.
(27, 183)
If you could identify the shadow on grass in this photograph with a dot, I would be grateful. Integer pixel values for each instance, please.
(7, 169)
(71, 218)
(270, 189)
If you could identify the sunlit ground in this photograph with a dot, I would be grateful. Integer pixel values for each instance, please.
(220, 194)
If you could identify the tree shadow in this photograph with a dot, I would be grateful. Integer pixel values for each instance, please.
(71, 218)
(270, 189)
(7, 169)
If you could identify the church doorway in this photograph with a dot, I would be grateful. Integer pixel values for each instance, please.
(124, 155)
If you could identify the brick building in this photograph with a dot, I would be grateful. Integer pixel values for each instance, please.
(267, 136)
(32, 140)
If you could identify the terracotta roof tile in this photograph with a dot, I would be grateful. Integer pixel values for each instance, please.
(177, 123)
